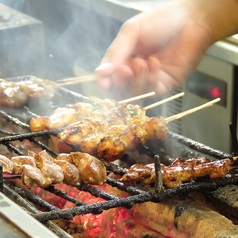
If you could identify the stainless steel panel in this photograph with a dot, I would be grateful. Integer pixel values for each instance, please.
(15, 222)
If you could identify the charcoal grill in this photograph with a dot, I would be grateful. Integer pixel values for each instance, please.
(44, 212)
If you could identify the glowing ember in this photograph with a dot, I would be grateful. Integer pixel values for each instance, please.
(90, 222)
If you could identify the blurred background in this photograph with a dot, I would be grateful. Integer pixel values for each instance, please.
(58, 39)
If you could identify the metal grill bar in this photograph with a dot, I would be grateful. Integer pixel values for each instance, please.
(200, 147)
(32, 210)
(137, 194)
(128, 202)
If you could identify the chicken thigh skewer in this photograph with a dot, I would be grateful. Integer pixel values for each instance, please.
(111, 142)
(181, 170)
(71, 113)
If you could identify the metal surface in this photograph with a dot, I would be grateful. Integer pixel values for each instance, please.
(209, 126)
(21, 44)
(179, 145)
(15, 222)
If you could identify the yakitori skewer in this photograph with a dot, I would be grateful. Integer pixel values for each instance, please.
(180, 171)
(73, 112)
(113, 147)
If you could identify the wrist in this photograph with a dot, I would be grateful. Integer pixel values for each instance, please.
(219, 18)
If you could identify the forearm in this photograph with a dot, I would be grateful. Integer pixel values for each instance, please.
(218, 17)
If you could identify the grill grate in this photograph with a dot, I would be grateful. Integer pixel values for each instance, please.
(138, 194)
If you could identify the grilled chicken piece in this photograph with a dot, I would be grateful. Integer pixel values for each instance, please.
(42, 157)
(156, 128)
(71, 173)
(32, 177)
(7, 164)
(38, 88)
(64, 156)
(19, 161)
(11, 95)
(77, 131)
(90, 143)
(61, 117)
(92, 170)
(102, 104)
(48, 168)
(71, 113)
(123, 113)
(138, 120)
(53, 172)
(179, 171)
(114, 147)
(97, 122)
(16, 94)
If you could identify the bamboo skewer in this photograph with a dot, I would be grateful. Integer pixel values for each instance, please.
(76, 80)
(136, 98)
(190, 111)
(92, 77)
(164, 101)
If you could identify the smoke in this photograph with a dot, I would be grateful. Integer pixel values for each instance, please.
(75, 36)
(17, 5)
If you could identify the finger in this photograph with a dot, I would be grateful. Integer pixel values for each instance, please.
(165, 83)
(158, 78)
(103, 74)
(154, 66)
(140, 69)
(122, 75)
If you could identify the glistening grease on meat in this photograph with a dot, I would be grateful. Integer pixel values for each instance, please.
(114, 147)
(92, 169)
(41, 169)
(111, 135)
(16, 94)
(179, 171)
(64, 116)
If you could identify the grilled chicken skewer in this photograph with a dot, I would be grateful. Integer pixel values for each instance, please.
(16, 94)
(148, 129)
(88, 132)
(71, 113)
(78, 167)
(40, 169)
(64, 116)
(98, 122)
(179, 171)
(102, 142)
(111, 147)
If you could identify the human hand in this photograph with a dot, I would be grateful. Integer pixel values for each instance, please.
(156, 50)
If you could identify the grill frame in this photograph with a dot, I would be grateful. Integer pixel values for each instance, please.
(137, 195)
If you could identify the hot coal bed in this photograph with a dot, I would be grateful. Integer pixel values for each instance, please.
(117, 208)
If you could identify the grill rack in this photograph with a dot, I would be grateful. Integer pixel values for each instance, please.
(137, 195)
